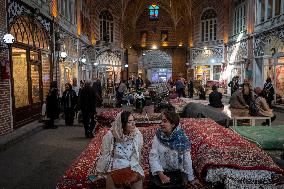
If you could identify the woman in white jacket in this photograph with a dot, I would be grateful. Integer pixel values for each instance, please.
(170, 158)
(121, 148)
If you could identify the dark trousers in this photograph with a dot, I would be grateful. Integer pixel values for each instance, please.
(89, 122)
(190, 93)
(178, 181)
(69, 114)
(180, 92)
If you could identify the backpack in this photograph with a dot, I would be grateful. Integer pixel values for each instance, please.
(253, 109)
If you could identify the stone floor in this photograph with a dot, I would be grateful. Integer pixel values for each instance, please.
(39, 160)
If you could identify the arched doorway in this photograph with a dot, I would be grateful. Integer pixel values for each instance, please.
(30, 68)
(109, 69)
(155, 65)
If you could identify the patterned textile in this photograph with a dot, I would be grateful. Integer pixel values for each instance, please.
(213, 147)
(177, 141)
(76, 176)
(267, 138)
(150, 118)
(105, 118)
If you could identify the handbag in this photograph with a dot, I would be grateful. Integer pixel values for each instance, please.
(125, 176)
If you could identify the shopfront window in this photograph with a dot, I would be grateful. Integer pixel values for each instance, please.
(217, 72)
(45, 58)
(35, 83)
(20, 79)
(202, 73)
(279, 84)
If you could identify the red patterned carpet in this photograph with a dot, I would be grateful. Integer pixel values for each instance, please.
(213, 146)
(105, 118)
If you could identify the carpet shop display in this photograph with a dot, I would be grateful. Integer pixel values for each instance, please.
(105, 118)
(218, 155)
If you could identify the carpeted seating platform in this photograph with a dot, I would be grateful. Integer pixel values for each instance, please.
(105, 118)
(268, 138)
(218, 154)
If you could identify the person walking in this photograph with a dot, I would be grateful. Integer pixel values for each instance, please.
(69, 102)
(52, 105)
(87, 104)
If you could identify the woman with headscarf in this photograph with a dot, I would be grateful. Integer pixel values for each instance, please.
(121, 148)
(69, 101)
(170, 156)
(262, 106)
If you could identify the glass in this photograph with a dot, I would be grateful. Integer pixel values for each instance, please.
(35, 83)
(262, 4)
(20, 78)
(45, 58)
(279, 84)
(216, 72)
(269, 9)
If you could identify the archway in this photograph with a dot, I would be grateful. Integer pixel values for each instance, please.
(155, 65)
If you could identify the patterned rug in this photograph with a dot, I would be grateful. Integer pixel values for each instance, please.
(268, 138)
(212, 147)
(105, 118)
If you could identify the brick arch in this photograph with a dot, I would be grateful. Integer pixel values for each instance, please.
(29, 31)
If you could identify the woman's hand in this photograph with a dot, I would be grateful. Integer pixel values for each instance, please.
(164, 178)
(195, 184)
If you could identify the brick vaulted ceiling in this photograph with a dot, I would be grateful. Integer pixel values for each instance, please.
(176, 13)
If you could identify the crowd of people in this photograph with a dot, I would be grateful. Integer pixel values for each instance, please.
(73, 100)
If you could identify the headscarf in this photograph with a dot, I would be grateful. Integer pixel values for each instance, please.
(177, 141)
(117, 130)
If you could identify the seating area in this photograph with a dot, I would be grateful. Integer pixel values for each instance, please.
(218, 154)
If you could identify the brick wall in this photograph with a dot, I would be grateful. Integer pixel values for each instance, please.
(5, 97)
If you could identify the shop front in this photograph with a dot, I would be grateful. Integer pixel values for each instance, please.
(269, 61)
(30, 67)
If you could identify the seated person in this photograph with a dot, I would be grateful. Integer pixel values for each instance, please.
(121, 148)
(170, 156)
(237, 100)
(215, 98)
(262, 106)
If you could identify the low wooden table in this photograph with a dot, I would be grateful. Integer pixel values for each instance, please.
(252, 120)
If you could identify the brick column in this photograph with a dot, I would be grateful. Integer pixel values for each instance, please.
(5, 86)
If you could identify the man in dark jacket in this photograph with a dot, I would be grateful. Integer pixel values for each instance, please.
(52, 105)
(215, 98)
(87, 103)
(97, 86)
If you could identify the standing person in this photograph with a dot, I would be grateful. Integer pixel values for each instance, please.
(75, 86)
(121, 148)
(80, 119)
(69, 101)
(97, 86)
(269, 91)
(234, 84)
(52, 105)
(138, 83)
(180, 87)
(87, 103)
(170, 155)
(122, 89)
(215, 98)
(190, 88)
